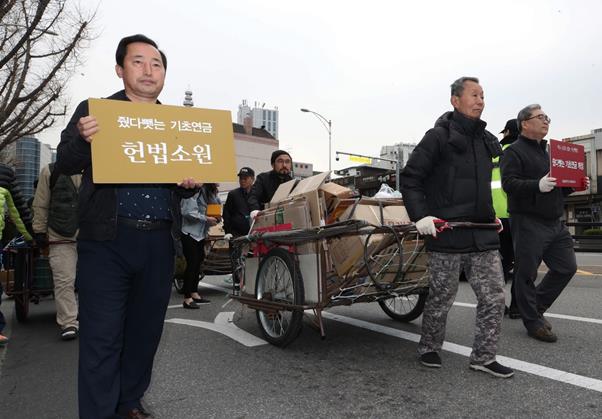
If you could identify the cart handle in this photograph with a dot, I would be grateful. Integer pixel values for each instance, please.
(442, 225)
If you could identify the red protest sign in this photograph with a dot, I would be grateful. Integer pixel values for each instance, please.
(567, 164)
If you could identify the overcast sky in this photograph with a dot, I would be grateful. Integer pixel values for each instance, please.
(379, 69)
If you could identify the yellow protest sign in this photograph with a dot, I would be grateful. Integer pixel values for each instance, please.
(149, 143)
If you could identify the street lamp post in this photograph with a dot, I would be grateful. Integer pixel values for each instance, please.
(328, 125)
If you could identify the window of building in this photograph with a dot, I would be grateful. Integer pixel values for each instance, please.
(599, 162)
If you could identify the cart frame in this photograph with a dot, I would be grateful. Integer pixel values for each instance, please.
(393, 273)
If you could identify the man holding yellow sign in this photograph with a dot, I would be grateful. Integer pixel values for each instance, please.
(125, 249)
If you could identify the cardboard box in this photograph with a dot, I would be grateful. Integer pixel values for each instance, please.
(333, 194)
(308, 188)
(347, 253)
(286, 215)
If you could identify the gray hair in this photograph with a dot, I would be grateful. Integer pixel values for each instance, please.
(457, 87)
(525, 113)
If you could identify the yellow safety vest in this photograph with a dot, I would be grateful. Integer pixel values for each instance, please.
(500, 201)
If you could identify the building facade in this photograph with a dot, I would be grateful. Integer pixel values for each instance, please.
(260, 116)
(27, 156)
(586, 206)
(302, 170)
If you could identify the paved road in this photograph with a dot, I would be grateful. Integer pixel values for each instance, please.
(366, 366)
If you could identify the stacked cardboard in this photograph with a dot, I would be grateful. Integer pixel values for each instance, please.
(347, 253)
(313, 202)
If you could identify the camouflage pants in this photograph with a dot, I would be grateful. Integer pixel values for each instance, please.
(484, 273)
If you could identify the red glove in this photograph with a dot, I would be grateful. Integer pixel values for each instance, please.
(584, 184)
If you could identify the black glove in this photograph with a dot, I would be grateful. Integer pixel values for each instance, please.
(41, 240)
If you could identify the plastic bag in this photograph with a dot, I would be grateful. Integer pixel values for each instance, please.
(387, 192)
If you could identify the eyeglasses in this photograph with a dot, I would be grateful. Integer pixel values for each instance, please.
(541, 117)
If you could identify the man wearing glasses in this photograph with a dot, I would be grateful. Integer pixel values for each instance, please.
(536, 208)
(266, 183)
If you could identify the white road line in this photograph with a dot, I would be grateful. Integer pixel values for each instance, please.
(555, 316)
(223, 324)
(215, 287)
(227, 302)
(534, 369)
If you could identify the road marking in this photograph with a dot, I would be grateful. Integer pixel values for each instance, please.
(215, 287)
(223, 324)
(579, 271)
(530, 368)
(556, 316)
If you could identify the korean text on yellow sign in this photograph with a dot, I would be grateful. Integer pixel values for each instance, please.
(148, 143)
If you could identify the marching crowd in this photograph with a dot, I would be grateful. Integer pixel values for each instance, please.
(123, 237)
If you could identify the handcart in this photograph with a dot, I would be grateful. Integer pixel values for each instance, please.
(217, 261)
(292, 271)
(26, 275)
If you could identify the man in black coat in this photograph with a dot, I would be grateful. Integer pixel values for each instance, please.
(126, 249)
(236, 212)
(536, 207)
(267, 182)
(448, 176)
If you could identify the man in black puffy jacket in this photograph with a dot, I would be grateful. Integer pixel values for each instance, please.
(267, 183)
(536, 207)
(448, 176)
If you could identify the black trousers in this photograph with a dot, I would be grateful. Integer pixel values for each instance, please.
(194, 253)
(535, 240)
(124, 288)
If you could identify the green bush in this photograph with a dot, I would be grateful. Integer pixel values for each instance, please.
(593, 232)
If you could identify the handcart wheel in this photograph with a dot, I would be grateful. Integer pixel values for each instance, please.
(178, 284)
(404, 308)
(22, 307)
(279, 281)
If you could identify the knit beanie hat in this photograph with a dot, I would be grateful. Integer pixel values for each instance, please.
(277, 154)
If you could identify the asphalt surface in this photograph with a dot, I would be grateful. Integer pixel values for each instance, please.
(353, 373)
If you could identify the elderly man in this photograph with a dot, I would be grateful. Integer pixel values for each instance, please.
(536, 207)
(448, 177)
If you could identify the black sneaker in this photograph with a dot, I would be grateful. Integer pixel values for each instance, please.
(69, 333)
(431, 360)
(494, 368)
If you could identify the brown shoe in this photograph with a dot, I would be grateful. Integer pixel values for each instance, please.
(544, 334)
(545, 321)
(136, 414)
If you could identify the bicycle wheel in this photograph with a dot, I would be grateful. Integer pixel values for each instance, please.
(404, 308)
(279, 281)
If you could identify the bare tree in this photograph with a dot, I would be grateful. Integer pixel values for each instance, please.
(40, 47)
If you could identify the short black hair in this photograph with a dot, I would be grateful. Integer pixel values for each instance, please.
(123, 46)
